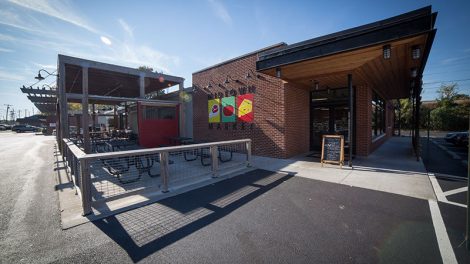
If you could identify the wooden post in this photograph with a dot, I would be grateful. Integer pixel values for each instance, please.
(85, 114)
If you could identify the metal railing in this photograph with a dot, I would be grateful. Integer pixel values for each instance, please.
(113, 175)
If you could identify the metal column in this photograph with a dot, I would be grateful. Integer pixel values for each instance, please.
(63, 130)
(182, 111)
(351, 118)
(85, 114)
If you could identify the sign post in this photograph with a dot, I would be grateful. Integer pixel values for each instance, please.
(332, 150)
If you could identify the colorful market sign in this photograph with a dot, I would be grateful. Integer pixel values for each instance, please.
(213, 108)
(245, 108)
(231, 109)
(228, 109)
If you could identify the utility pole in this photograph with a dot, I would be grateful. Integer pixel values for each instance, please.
(8, 108)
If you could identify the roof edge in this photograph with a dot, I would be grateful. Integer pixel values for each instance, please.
(277, 45)
(427, 10)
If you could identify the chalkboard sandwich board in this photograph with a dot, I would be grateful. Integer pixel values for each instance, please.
(332, 150)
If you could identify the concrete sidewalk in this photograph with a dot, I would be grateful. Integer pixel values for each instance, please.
(392, 168)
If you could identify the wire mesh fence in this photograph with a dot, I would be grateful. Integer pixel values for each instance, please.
(106, 174)
(119, 175)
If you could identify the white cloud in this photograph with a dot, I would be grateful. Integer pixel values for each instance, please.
(220, 11)
(8, 76)
(46, 66)
(58, 9)
(126, 27)
(36, 33)
(5, 50)
(106, 40)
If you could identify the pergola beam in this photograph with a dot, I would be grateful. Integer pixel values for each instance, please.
(116, 68)
(38, 91)
(116, 100)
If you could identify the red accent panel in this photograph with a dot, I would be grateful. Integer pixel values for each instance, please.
(155, 132)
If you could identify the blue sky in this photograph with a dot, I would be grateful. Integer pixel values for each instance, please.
(180, 37)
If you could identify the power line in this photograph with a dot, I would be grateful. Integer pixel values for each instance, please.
(434, 73)
(461, 80)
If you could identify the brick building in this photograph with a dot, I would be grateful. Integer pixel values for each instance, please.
(300, 92)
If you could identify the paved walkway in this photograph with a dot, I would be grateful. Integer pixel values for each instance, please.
(392, 168)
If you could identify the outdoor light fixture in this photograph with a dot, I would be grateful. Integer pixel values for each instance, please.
(249, 76)
(278, 72)
(40, 77)
(209, 85)
(415, 52)
(316, 84)
(228, 78)
(387, 52)
(414, 72)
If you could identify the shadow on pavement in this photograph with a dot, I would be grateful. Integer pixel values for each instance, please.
(143, 231)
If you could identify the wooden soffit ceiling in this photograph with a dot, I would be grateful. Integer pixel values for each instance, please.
(359, 51)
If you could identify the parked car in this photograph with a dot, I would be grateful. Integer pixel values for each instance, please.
(5, 127)
(24, 128)
(457, 138)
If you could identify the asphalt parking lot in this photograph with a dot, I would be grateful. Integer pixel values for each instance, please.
(444, 157)
(261, 216)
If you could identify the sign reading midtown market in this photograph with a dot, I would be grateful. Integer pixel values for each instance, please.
(231, 109)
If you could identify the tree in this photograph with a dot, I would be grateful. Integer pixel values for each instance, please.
(151, 95)
(145, 68)
(447, 92)
(448, 115)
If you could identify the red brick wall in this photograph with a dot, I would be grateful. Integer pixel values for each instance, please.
(281, 125)
(297, 119)
(363, 120)
(268, 130)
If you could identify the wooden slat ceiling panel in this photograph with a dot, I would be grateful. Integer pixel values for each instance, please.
(390, 77)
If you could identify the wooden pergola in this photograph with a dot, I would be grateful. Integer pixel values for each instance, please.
(91, 82)
(44, 99)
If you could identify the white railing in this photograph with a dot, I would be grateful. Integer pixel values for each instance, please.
(113, 175)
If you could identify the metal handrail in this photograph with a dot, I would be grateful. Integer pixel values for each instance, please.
(76, 151)
(85, 159)
(124, 153)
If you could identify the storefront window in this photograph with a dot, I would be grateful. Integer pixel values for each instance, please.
(378, 116)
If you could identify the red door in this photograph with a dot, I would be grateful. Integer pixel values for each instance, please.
(157, 124)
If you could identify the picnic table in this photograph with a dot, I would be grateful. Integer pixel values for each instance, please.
(179, 140)
(203, 152)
